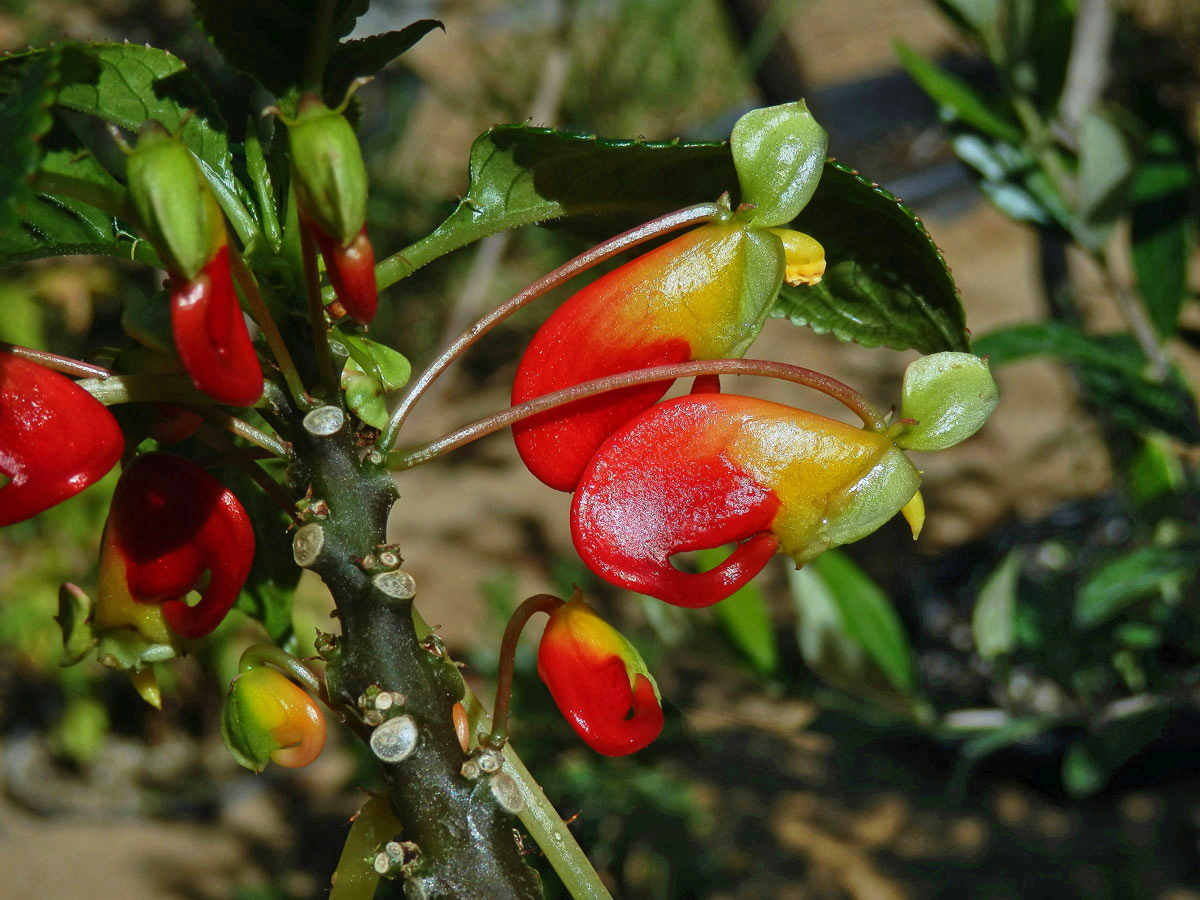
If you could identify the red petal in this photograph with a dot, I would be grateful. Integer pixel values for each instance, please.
(171, 522)
(664, 485)
(351, 271)
(55, 438)
(211, 336)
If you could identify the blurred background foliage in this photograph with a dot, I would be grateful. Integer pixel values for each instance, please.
(1009, 708)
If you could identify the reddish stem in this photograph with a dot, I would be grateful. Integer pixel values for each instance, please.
(850, 398)
(586, 260)
(546, 603)
(64, 364)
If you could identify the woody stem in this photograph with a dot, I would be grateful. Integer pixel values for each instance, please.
(606, 250)
(850, 398)
(546, 603)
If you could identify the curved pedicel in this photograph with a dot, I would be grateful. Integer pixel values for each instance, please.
(709, 470)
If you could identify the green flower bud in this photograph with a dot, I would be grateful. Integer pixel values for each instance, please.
(328, 171)
(173, 201)
(779, 154)
(948, 397)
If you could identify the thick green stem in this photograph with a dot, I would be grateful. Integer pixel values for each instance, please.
(466, 849)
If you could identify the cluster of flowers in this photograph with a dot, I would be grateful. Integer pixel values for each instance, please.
(650, 479)
(173, 528)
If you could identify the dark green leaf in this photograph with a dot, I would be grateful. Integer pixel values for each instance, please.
(1119, 583)
(126, 84)
(1111, 369)
(957, 99)
(270, 40)
(24, 119)
(1162, 228)
(977, 16)
(355, 59)
(847, 624)
(1091, 762)
(51, 226)
(885, 281)
(745, 619)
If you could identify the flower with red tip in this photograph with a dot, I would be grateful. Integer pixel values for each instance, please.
(330, 179)
(599, 681)
(704, 295)
(181, 215)
(708, 470)
(170, 524)
(211, 336)
(269, 718)
(55, 438)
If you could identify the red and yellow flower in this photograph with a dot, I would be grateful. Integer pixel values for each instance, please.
(269, 718)
(599, 681)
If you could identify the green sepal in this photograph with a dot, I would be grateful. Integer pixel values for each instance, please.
(864, 507)
(949, 397)
(247, 742)
(175, 205)
(74, 615)
(763, 265)
(779, 154)
(328, 170)
(125, 650)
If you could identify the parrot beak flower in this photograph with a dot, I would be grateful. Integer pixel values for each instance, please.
(268, 718)
(703, 295)
(599, 681)
(55, 438)
(707, 470)
(170, 524)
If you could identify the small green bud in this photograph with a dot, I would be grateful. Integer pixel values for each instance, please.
(328, 170)
(779, 154)
(173, 201)
(948, 396)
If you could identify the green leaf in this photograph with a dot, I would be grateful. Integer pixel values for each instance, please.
(259, 173)
(993, 622)
(744, 617)
(847, 625)
(24, 120)
(126, 84)
(1119, 583)
(980, 16)
(1162, 228)
(53, 226)
(957, 99)
(270, 41)
(1091, 762)
(885, 280)
(364, 57)
(1111, 369)
(387, 366)
(1106, 170)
